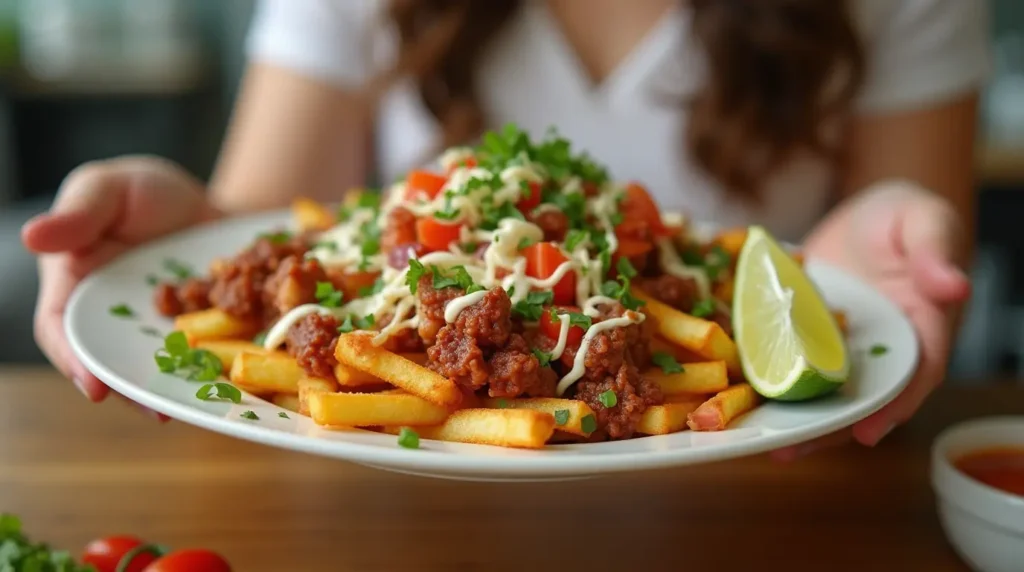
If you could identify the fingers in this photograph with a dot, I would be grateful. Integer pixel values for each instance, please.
(939, 280)
(932, 325)
(88, 203)
(932, 240)
(830, 441)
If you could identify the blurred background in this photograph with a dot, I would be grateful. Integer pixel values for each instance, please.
(89, 79)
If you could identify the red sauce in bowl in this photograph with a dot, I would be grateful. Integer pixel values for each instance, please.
(1001, 468)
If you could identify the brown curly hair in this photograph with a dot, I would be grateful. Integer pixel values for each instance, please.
(778, 72)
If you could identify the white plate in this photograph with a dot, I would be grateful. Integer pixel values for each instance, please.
(119, 352)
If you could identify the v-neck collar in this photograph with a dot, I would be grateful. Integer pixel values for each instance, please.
(631, 72)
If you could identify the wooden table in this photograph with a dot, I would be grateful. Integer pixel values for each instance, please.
(74, 471)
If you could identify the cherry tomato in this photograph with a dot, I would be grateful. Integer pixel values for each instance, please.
(436, 235)
(193, 560)
(552, 328)
(104, 554)
(640, 216)
(542, 260)
(529, 202)
(468, 163)
(424, 182)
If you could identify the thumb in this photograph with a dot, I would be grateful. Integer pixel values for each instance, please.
(932, 240)
(89, 202)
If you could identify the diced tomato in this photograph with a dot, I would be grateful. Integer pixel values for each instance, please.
(529, 202)
(640, 216)
(542, 260)
(423, 182)
(436, 235)
(552, 329)
(468, 163)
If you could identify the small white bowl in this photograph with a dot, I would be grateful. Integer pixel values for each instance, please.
(985, 525)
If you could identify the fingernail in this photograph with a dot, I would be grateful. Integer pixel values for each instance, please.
(80, 384)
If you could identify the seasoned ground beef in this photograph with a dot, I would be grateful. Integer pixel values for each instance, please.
(238, 290)
(268, 252)
(633, 395)
(555, 224)
(516, 371)
(400, 230)
(311, 342)
(291, 285)
(459, 358)
(430, 304)
(680, 293)
(489, 321)
(192, 295)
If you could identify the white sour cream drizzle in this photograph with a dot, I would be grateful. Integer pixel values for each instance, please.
(456, 306)
(671, 263)
(277, 334)
(579, 362)
(341, 246)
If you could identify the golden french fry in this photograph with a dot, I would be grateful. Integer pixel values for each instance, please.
(311, 215)
(798, 256)
(682, 355)
(310, 385)
(701, 377)
(716, 413)
(703, 337)
(570, 411)
(227, 350)
(349, 376)
(667, 418)
(521, 428)
(214, 324)
(373, 409)
(357, 350)
(732, 241)
(841, 321)
(684, 397)
(262, 373)
(286, 401)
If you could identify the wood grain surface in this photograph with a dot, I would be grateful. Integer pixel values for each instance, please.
(74, 471)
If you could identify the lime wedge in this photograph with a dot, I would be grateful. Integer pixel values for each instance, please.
(789, 343)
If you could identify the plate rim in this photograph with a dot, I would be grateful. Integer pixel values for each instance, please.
(453, 463)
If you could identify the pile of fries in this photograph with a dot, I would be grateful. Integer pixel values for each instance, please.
(384, 391)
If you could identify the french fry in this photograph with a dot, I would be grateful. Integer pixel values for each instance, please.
(682, 355)
(841, 321)
(310, 215)
(227, 350)
(703, 337)
(286, 401)
(521, 428)
(372, 409)
(732, 241)
(574, 410)
(716, 413)
(348, 376)
(684, 397)
(214, 324)
(357, 350)
(308, 386)
(701, 377)
(667, 418)
(262, 373)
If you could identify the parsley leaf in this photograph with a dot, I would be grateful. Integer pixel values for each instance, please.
(179, 269)
(152, 280)
(19, 554)
(413, 275)
(716, 261)
(625, 268)
(260, 338)
(219, 390)
(283, 415)
(878, 350)
(580, 320)
(667, 362)
(368, 200)
(608, 399)
(351, 324)
(492, 215)
(561, 417)
(588, 424)
(574, 238)
(250, 415)
(327, 295)
(177, 358)
(408, 439)
(525, 242)
(703, 309)
(532, 306)
(378, 285)
(543, 357)
(621, 290)
(449, 212)
(122, 311)
(279, 237)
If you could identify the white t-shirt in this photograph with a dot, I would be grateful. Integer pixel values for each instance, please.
(918, 52)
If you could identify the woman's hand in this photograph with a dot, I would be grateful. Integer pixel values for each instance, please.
(909, 244)
(101, 210)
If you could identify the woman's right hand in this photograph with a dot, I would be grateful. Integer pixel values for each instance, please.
(102, 209)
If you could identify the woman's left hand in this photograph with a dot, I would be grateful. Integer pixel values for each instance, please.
(908, 243)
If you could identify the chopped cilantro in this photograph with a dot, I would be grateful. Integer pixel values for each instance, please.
(327, 295)
(572, 205)
(580, 320)
(177, 358)
(368, 200)
(588, 423)
(608, 399)
(879, 350)
(344, 213)
(260, 338)
(532, 307)
(152, 280)
(621, 290)
(179, 269)
(526, 242)
(716, 261)
(408, 439)
(151, 331)
(219, 390)
(279, 237)
(544, 358)
(122, 311)
(19, 554)
(283, 415)
(692, 257)
(703, 309)
(561, 417)
(414, 273)
(351, 324)
(625, 268)
(250, 415)
(574, 238)
(667, 362)
(615, 218)
(468, 247)
(449, 212)
(501, 404)
(492, 215)
(377, 286)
